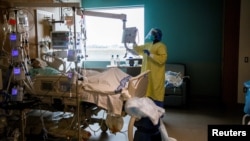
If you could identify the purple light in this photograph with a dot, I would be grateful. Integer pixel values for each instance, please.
(17, 71)
(13, 37)
(14, 91)
(14, 52)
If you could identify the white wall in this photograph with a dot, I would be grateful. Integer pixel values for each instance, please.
(244, 49)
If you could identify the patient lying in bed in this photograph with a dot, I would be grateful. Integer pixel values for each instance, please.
(109, 81)
(105, 89)
(41, 69)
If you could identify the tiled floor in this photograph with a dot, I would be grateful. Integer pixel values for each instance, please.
(98, 135)
(183, 124)
(34, 127)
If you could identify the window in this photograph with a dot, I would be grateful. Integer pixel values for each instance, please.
(104, 35)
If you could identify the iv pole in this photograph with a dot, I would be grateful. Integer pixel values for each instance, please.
(76, 68)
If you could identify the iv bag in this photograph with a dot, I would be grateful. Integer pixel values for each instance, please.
(12, 22)
(22, 21)
(5, 25)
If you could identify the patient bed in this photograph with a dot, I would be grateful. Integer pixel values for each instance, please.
(107, 90)
(103, 94)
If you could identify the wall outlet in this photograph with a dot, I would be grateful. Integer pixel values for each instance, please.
(246, 59)
(244, 89)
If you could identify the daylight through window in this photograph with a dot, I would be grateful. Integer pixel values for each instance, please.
(104, 35)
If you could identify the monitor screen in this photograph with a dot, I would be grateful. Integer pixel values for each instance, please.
(129, 35)
(60, 39)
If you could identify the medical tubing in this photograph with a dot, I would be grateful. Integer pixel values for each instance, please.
(28, 87)
(70, 125)
(4, 39)
(46, 93)
(130, 128)
(8, 86)
(43, 125)
(76, 67)
(16, 19)
(102, 122)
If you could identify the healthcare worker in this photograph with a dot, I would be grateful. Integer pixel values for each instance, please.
(154, 55)
(154, 59)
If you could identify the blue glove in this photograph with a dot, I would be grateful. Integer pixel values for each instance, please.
(146, 52)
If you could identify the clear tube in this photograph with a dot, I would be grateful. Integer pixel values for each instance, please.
(5, 26)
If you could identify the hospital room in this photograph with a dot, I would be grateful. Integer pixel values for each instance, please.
(115, 70)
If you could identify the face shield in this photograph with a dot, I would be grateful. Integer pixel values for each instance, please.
(154, 34)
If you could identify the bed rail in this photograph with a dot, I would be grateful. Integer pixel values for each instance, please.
(138, 85)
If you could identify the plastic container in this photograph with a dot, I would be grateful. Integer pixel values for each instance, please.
(112, 61)
(117, 60)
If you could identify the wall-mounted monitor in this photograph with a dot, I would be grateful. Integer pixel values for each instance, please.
(129, 35)
(60, 39)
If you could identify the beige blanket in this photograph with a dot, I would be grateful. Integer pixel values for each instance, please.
(100, 89)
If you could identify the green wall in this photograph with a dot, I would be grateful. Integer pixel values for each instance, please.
(192, 31)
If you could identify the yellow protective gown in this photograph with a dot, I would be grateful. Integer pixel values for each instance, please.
(156, 64)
